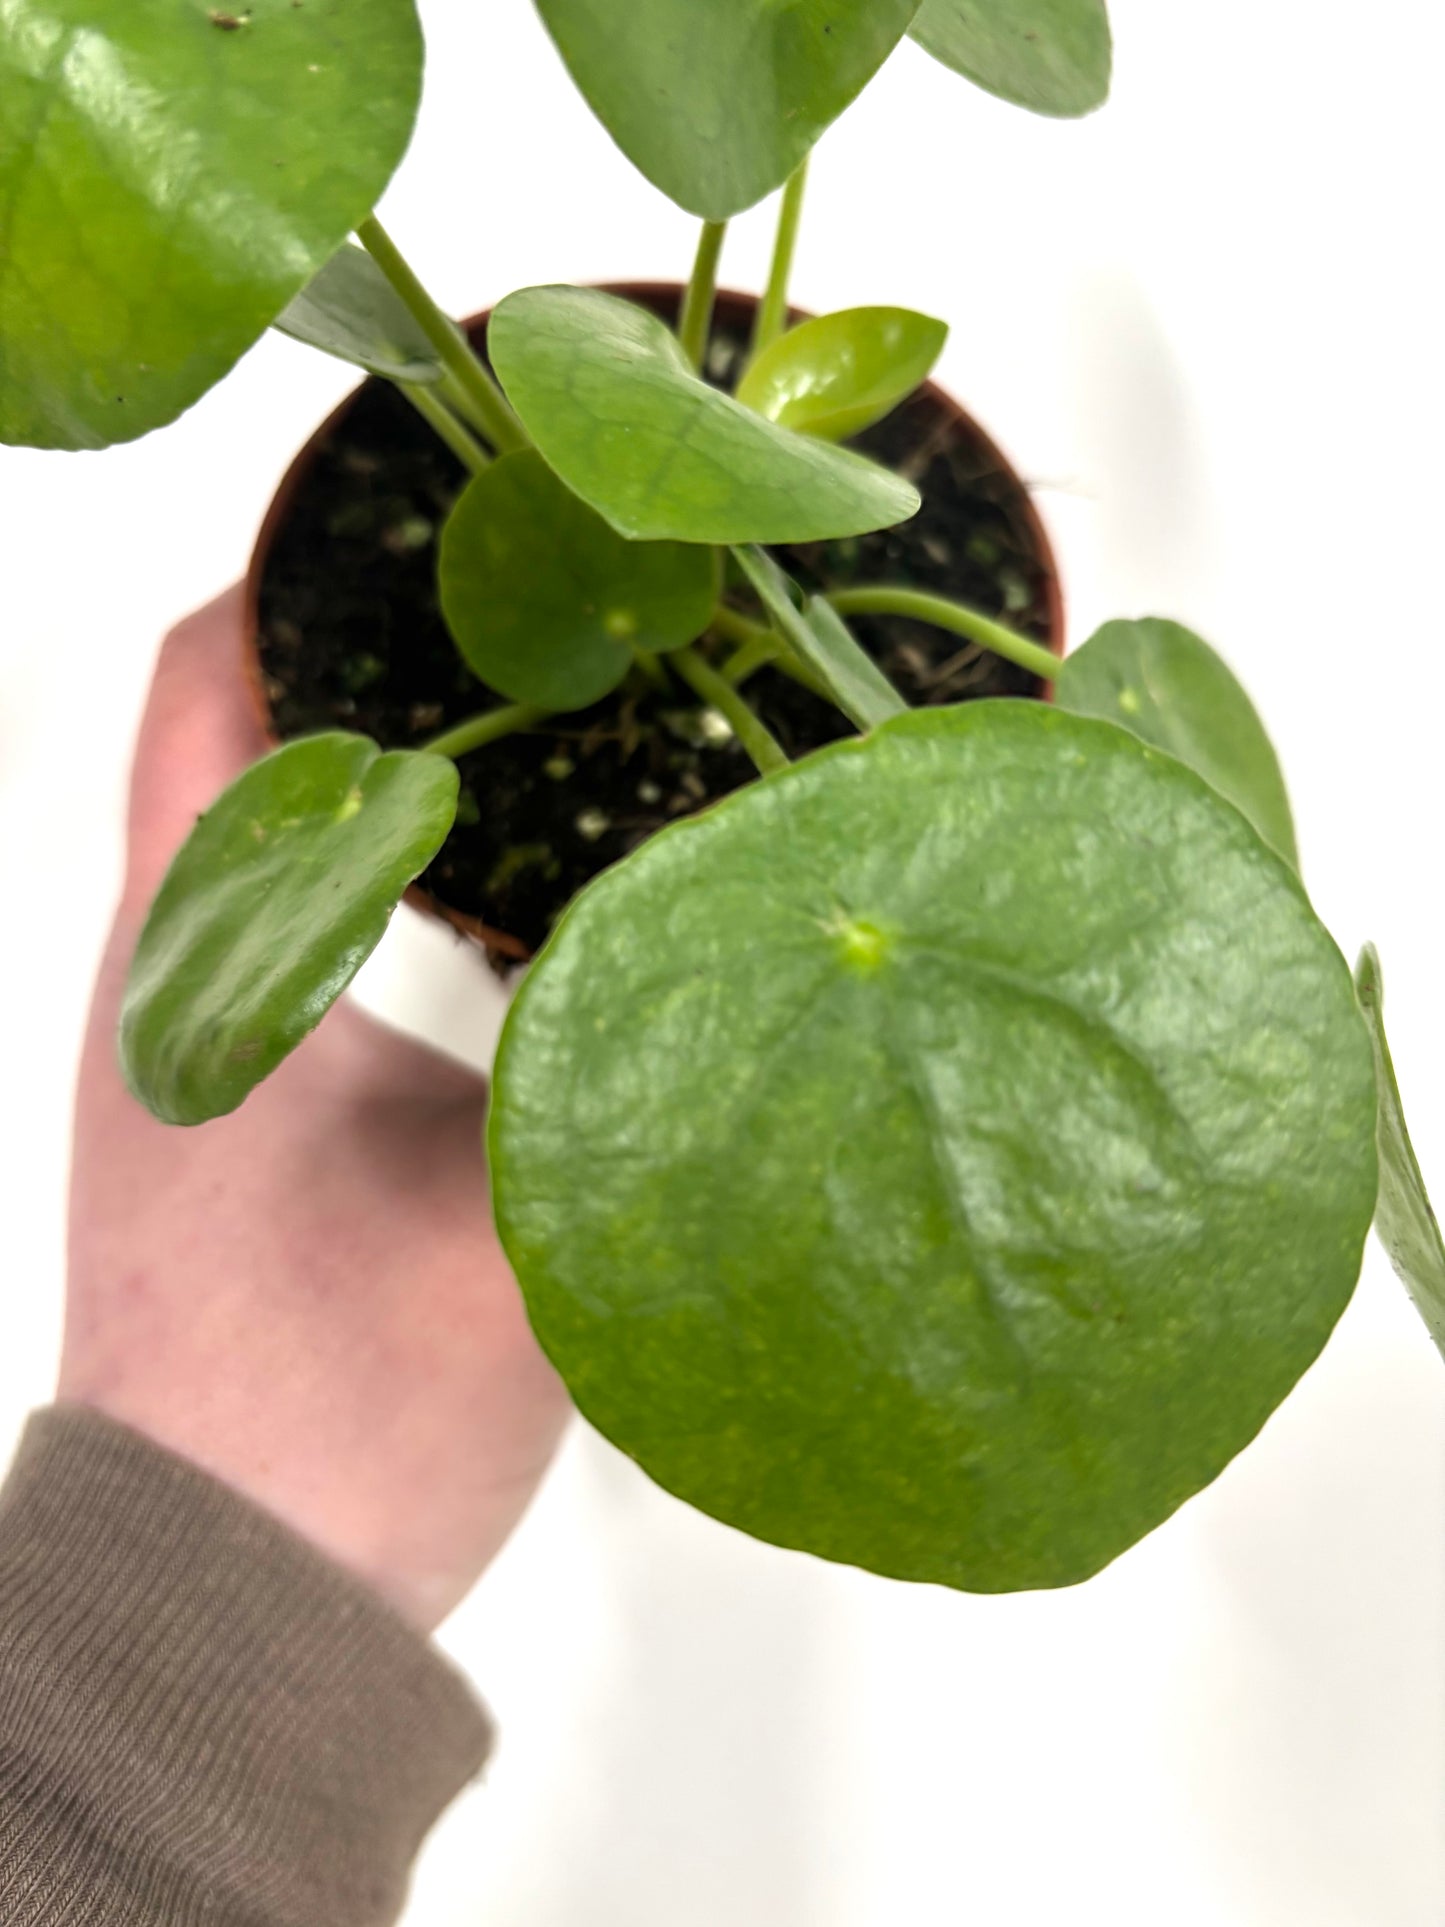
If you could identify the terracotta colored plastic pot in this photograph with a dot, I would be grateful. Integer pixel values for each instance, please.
(663, 298)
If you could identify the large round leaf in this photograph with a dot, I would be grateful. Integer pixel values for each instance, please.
(942, 1156)
(611, 400)
(1054, 56)
(838, 374)
(717, 102)
(1166, 685)
(279, 895)
(547, 602)
(172, 173)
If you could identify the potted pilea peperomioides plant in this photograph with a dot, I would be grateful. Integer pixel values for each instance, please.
(935, 1133)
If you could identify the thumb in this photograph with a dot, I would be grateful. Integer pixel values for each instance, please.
(198, 734)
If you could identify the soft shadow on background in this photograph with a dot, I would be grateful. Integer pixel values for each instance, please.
(1205, 325)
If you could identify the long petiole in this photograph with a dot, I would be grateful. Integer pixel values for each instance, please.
(493, 412)
(749, 657)
(460, 402)
(756, 646)
(733, 626)
(490, 727)
(953, 616)
(695, 326)
(754, 735)
(773, 312)
(468, 451)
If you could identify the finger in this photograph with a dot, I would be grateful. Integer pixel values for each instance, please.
(199, 732)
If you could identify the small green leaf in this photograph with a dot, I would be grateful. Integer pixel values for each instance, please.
(547, 602)
(942, 1156)
(352, 311)
(280, 894)
(609, 397)
(1054, 56)
(1404, 1217)
(171, 174)
(717, 102)
(819, 635)
(836, 376)
(1170, 688)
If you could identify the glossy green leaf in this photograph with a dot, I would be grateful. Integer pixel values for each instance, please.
(352, 311)
(942, 1156)
(609, 397)
(280, 894)
(1169, 687)
(547, 602)
(172, 173)
(818, 634)
(1053, 56)
(717, 102)
(836, 376)
(1404, 1217)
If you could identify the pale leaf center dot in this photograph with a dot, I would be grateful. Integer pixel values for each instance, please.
(865, 947)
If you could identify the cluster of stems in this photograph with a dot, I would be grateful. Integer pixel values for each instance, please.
(468, 411)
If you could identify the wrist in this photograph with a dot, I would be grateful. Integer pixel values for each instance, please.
(292, 1487)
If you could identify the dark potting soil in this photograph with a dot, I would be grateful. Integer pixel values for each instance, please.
(352, 638)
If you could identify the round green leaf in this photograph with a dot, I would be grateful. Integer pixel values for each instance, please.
(1405, 1218)
(547, 602)
(836, 376)
(717, 102)
(172, 173)
(352, 311)
(1169, 688)
(1054, 56)
(942, 1156)
(279, 895)
(610, 399)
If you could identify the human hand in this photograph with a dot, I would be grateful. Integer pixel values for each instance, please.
(307, 1298)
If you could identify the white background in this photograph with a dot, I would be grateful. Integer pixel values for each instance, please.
(1207, 324)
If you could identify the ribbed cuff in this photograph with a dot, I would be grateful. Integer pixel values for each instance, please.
(201, 1718)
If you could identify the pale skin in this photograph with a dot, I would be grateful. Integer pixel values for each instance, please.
(307, 1299)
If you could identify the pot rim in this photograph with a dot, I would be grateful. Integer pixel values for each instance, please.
(499, 944)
